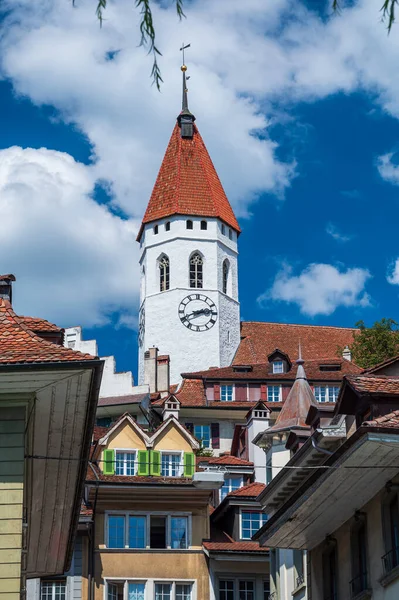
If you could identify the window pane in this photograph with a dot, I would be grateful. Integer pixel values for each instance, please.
(136, 591)
(278, 366)
(251, 522)
(320, 393)
(157, 532)
(137, 526)
(273, 393)
(112, 591)
(230, 484)
(226, 393)
(226, 590)
(203, 434)
(116, 531)
(334, 392)
(171, 465)
(246, 590)
(46, 590)
(178, 532)
(266, 590)
(119, 463)
(163, 591)
(59, 590)
(183, 591)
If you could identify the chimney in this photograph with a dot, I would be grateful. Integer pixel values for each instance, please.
(150, 369)
(171, 408)
(6, 287)
(346, 353)
(163, 375)
(257, 422)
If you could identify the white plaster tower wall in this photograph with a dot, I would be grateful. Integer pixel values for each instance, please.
(189, 350)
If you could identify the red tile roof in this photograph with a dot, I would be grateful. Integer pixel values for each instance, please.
(261, 371)
(231, 546)
(317, 341)
(249, 491)
(369, 384)
(381, 365)
(18, 344)
(389, 420)
(128, 399)
(187, 184)
(228, 460)
(35, 324)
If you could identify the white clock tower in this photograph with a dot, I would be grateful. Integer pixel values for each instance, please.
(189, 305)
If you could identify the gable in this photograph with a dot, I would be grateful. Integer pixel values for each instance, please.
(172, 438)
(125, 437)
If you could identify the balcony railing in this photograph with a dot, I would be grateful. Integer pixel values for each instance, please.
(390, 560)
(358, 584)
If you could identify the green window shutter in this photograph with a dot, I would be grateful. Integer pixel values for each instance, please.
(143, 459)
(109, 462)
(189, 464)
(155, 465)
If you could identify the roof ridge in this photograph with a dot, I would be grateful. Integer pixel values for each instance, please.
(299, 325)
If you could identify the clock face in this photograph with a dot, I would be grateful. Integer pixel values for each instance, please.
(141, 326)
(198, 312)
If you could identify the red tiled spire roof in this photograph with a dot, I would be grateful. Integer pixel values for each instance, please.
(18, 344)
(187, 184)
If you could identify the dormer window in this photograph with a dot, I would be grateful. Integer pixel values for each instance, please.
(125, 462)
(278, 366)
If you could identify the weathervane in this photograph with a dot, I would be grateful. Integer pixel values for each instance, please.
(185, 78)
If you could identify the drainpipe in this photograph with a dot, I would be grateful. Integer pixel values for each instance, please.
(90, 578)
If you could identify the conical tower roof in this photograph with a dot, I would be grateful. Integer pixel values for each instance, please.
(187, 184)
(296, 407)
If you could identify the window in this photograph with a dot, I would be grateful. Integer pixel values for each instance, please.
(137, 531)
(173, 591)
(226, 590)
(163, 273)
(225, 275)
(329, 572)
(251, 522)
(274, 393)
(226, 393)
(326, 393)
(157, 531)
(178, 533)
(115, 590)
(171, 464)
(230, 484)
(125, 463)
(136, 591)
(391, 533)
(266, 590)
(359, 581)
(53, 590)
(167, 226)
(183, 591)
(246, 590)
(269, 470)
(230, 234)
(298, 568)
(155, 229)
(196, 270)
(116, 531)
(278, 366)
(204, 225)
(189, 224)
(203, 434)
(223, 229)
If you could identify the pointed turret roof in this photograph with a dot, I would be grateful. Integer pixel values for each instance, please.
(296, 407)
(187, 182)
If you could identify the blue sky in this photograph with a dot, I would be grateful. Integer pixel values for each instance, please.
(299, 111)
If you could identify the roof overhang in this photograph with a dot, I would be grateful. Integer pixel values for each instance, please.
(238, 555)
(157, 493)
(345, 482)
(60, 400)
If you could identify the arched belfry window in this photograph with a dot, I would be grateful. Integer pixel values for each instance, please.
(226, 268)
(163, 264)
(196, 270)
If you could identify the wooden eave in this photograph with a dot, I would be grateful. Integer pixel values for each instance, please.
(61, 400)
(329, 497)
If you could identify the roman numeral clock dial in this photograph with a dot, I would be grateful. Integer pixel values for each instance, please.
(198, 312)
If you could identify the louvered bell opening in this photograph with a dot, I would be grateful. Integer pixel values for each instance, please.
(187, 128)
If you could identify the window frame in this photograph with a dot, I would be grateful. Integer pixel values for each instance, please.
(236, 580)
(226, 385)
(280, 393)
(179, 453)
(149, 585)
(126, 451)
(203, 225)
(201, 438)
(53, 583)
(196, 271)
(329, 391)
(225, 276)
(274, 366)
(167, 226)
(163, 264)
(147, 515)
(189, 224)
(251, 511)
(231, 489)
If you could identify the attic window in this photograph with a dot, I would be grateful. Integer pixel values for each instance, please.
(278, 366)
(242, 368)
(330, 367)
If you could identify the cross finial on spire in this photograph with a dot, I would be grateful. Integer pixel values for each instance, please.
(185, 119)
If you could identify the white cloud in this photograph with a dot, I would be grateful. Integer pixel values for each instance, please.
(334, 232)
(393, 273)
(320, 288)
(74, 261)
(388, 170)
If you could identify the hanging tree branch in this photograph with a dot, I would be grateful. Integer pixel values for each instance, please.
(388, 11)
